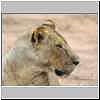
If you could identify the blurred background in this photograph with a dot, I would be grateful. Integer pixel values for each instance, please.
(80, 30)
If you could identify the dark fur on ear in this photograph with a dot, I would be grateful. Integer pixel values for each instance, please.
(37, 37)
(33, 40)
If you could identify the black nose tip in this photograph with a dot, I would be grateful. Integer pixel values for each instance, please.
(59, 72)
(75, 62)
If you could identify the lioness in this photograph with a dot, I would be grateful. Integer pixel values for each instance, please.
(39, 58)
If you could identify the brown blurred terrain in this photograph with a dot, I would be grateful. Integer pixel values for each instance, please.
(79, 30)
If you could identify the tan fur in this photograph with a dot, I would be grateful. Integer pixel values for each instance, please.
(36, 55)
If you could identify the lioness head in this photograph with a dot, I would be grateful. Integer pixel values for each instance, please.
(53, 50)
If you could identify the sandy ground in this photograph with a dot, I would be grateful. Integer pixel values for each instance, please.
(79, 30)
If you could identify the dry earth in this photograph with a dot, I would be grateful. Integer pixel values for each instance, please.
(79, 30)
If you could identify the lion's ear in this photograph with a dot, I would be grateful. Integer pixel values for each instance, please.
(37, 37)
(49, 23)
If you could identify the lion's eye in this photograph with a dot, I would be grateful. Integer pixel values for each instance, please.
(59, 45)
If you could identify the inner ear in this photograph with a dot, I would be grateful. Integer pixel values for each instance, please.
(39, 37)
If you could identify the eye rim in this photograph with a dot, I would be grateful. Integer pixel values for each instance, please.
(59, 46)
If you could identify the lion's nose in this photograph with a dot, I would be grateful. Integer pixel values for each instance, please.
(59, 72)
(75, 62)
